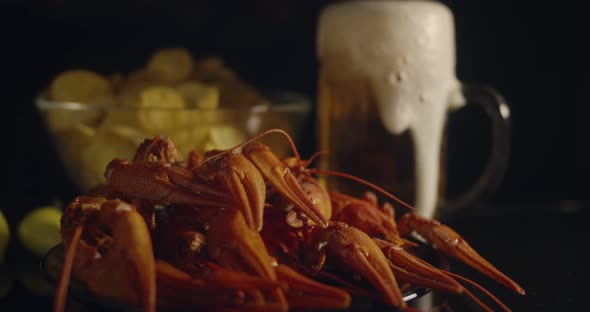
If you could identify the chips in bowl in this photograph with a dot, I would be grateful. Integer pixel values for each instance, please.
(200, 103)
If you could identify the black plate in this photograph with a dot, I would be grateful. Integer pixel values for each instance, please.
(52, 262)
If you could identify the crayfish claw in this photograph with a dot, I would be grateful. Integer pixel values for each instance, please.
(366, 216)
(413, 270)
(119, 266)
(159, 182)
(452, 244)
(244, 183)
(358, 253)
(283, 181)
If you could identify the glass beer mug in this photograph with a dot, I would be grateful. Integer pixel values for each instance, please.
(386, 84)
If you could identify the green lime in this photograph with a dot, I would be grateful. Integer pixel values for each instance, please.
(39, 230)
(33, 280)
(4, 236)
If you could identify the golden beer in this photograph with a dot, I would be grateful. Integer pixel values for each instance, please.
(386, 85)
(356, 141)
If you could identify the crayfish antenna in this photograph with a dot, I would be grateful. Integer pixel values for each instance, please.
(480, 288)
(66, 271)
(366, 183)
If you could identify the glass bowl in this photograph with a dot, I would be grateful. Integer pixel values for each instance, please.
(88, 137)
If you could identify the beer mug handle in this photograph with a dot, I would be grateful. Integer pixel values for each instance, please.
(496, 108)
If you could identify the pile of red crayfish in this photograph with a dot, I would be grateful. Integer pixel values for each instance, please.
(241, 229)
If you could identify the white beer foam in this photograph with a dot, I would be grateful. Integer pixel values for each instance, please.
(406, 50)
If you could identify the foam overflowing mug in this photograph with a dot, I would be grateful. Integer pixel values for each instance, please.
(386, 85)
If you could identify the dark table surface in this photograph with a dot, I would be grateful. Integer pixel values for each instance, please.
(541, 245)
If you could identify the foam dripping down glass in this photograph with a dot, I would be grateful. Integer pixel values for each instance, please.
(386, 85)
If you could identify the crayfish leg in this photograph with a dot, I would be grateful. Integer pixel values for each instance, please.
(216, 289)
(305, 293)
(64, 279)
(235, 246)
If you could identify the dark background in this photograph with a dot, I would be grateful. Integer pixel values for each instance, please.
(532, 53)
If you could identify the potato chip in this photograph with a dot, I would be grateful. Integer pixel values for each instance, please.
(117, 81)
(79, 135)
(212, 69)
(141, 79)
(72, 143)
(225, 136)
(172, 65)
(116, 142)
(209, 64)
(213, 137)
(152, 101)
(152, 110)
(190, 138)
(151, 122)
(199, 95)
(208, 145)
(207, 137)
(161, 110)
(129, 98)
(65, 119)
(135, 83)
(130, 134)
(259, 122)
(161, 97)
(237, 94)
(81, 86)
(120, 117)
